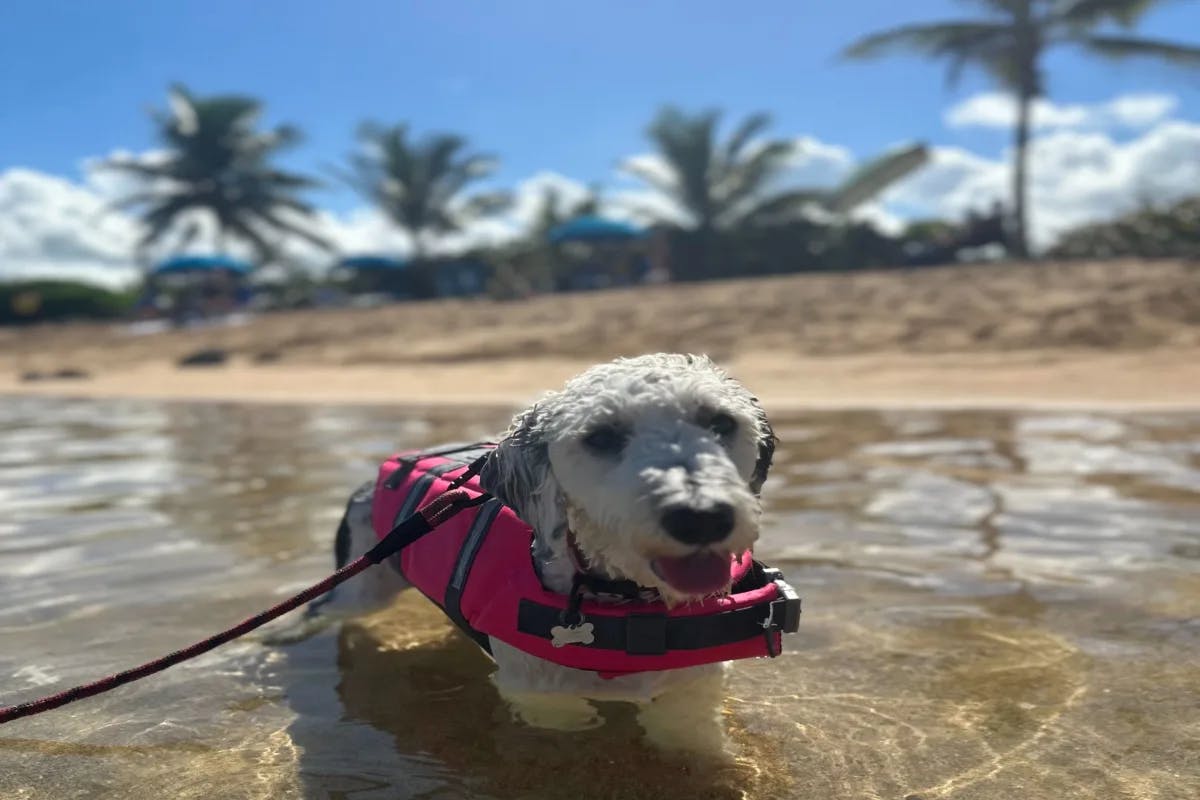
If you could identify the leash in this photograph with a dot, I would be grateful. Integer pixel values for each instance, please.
(425, 519)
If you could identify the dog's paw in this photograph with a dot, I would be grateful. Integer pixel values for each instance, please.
(556, 712)
(688, 719)
(300, 629)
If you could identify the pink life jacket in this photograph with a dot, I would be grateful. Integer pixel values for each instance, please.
(478, 568)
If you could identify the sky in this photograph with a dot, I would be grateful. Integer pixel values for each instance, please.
(561, 93)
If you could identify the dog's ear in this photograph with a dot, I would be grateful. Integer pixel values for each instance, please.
(519, 466)
(766, 448)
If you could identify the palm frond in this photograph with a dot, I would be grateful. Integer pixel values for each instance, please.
(687, 142)
(141, 169)
(751, 126)
(279, 179)
(1118, 47)
(876, 176)
(663, 184)
(1090, 13)
(134, 200)
(781, 206)
(277, 222)
(753, 175)
(241, 228)
(159, 218)
(933, 39)
(487, 204)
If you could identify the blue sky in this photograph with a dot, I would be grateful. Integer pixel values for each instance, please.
(544, 85)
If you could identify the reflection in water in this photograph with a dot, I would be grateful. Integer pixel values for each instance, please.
(996, 605)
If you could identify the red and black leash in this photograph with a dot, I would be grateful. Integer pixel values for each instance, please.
(426, 518)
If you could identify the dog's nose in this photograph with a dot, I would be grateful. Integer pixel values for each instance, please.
(692, 525)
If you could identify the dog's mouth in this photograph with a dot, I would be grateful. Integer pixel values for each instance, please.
(700, 573)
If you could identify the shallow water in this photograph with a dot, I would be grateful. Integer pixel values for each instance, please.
(996, 605)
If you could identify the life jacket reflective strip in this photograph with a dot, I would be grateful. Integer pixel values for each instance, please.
(478, 568)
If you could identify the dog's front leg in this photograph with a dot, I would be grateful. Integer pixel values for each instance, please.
(370, 590)
(543, 694)
(688, 716)
(556, 712)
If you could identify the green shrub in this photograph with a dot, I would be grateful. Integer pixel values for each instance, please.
(45, 300)
(1171, 232)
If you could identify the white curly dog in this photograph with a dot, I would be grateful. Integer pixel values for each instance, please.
(651, 468)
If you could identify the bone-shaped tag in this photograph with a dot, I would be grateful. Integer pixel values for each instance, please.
(575, 634)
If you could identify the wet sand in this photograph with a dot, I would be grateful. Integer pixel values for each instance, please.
(1155, 379)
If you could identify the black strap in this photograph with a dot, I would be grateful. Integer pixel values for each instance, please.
(627, 589)
(418, 490)
(399, 537)
(655, 634)
(466, 454)
(452, 601)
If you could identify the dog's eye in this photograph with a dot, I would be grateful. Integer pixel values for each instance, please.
(722, 424)
(606, 440)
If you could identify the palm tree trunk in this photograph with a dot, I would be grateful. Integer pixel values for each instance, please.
(422, 284)
(1019, 243)
(703, 241)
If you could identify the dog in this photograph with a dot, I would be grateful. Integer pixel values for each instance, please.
(649, 470)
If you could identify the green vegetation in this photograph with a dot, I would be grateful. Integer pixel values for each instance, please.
(26, 302)
(1170, 232)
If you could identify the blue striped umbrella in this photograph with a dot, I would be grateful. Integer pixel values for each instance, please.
(371, 263)
(184, 264)
(594, 229)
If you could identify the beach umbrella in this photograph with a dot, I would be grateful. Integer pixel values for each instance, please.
(594, 229)
(189, 264)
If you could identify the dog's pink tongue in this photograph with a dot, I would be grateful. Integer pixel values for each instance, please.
(700, 573)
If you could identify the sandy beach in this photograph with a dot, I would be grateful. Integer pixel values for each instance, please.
(1121, 334)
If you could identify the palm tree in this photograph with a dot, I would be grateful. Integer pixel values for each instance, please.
(421, 185)
(713, 184)
(215, 160)
(1009, 43)
(716, 186)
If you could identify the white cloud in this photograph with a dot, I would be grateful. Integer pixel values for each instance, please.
(999, 110)
(50, 226)
(1075, 177)
(819, 164)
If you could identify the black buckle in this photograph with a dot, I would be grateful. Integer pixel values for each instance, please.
(783, 613)
(646, 634)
